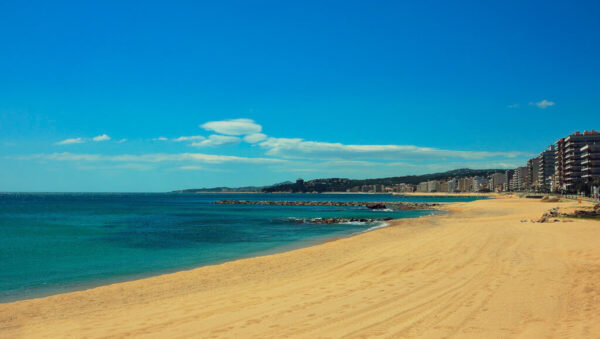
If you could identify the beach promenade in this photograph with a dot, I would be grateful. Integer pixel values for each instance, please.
(476, 272)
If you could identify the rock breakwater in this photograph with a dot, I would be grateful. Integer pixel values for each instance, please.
(328, 221)
(371, 205)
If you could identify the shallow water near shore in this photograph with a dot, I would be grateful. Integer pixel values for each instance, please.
(58, 242)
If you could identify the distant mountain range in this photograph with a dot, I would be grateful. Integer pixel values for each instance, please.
(245, 189)
(342, 184)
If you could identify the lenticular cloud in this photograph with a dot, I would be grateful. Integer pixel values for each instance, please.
(233, 127)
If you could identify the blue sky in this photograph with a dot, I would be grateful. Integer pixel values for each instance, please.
(272, 91)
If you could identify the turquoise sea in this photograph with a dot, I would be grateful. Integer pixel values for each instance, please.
(57, 242)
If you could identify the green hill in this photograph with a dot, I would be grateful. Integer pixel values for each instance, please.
(342, 184)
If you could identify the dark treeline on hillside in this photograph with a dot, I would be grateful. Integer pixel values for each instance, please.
(247, 189)
(342, 184)
(223, 189)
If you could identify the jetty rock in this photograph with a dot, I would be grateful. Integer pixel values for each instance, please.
(375, 206)
(399, 205)
(329, 221)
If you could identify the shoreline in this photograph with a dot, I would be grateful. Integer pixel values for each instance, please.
(82, 286)
(386, 277)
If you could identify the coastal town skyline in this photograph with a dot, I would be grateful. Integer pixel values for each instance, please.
(570, 165)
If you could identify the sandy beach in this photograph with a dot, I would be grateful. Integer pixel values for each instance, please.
(476, 272)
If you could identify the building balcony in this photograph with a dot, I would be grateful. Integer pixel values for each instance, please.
(591, 166)
(590, 161)
(590, 176)
(570, 156)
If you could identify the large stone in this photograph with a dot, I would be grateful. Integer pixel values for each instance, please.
(375, 206)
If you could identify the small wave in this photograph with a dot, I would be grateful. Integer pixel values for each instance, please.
(290, 220)
(379, 225)
(384, 210)
(355, 223)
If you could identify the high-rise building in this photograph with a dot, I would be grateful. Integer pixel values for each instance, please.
(508, 178)
(519, 182)
(464, 184)
(546, 168)
(478, 183)
(590, 162)
(496, 182)
(452, 185)
(533, 168)
(444, 187)
(572, 155)
(559, 166)
(433, 186)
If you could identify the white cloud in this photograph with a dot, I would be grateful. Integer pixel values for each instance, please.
(102, 137)
(70, 141)
(121, 141)
(217, 140)
(233, 126)
(303, 149)
(125, 166)
(191, 168)
(160, 139)
(148, 158)
(307, 155)
(254, 138)
(299, 148)
(543, 104)
(189, 138)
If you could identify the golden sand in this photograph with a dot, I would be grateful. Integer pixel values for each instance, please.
(477, 272)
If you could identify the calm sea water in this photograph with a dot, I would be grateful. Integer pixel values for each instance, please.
(55, 242)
